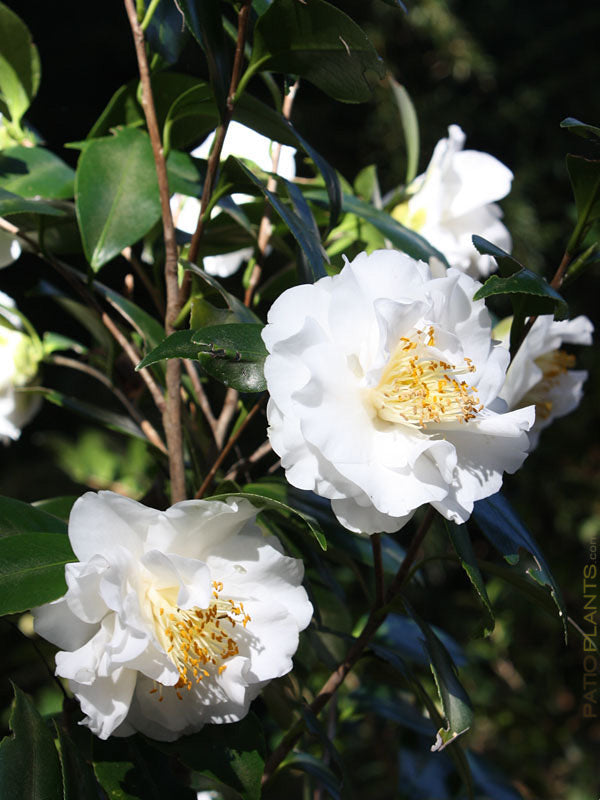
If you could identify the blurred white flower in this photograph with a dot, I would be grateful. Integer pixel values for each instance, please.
(10, 249)
(454, 199)
(242, 142)
(174, 618)
(384, 385)
(541, 373)
(19, 359)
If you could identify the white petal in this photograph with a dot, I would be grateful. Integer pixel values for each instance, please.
(106, 702)
(56, 622)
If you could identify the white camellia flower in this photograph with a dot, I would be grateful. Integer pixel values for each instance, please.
(454, 199)
(174, 618)
(242, 142)
(19, 359)
(384, 383)
(541, 373)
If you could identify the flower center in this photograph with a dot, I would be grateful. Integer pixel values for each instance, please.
(416, 389)
(197, 640)
(415, 221)
(553, 365)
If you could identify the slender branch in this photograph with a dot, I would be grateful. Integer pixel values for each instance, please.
(253, 458)
(215, 156)
(265, 229)
(200, 395)
(172, 412)
(226, 415)
(145, 425)
(378, 569)
(227, 449)
(139, 270)
(337, 677)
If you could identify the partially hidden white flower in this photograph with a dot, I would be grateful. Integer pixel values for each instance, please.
(541, 373)
(383, 389)
(19, 360)
(242, 142)
(10, 249)
(454, 199)
(174, 618)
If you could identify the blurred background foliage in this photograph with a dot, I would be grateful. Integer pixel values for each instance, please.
(507, 72)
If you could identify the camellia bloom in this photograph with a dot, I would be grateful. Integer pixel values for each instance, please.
(242, 142)
(541, 373)
(174, 618)
(19, 359)
(454, 199)
(384, 385)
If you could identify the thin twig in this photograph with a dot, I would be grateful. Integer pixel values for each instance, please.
(256, 456)
(226, 450)
(146, 426)
(378, 569)
(138, 267)
(172, 413)
(226, 415)
(200, 395)
(337, 677)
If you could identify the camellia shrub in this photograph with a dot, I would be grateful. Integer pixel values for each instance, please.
(322, 382)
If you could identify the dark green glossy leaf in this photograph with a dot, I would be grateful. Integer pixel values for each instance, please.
(19, 65)
(30, 171)
(455, 701)
(203, 18)
(165, 34)
(410, 127)
(307, 236)
(581, 128)
(14, 204)
(180, 344)
(196, 106)
(501, 525)
(404, 634)
(461, 541)
(263, 119)
(123, 108)
(78, 780)
(585, 180)
(403, 238)
(243, 376)
(318, 769)
(232, 754)
(56, 506)
(264, 501)
(148, 327)
(318, 42)
(32, 570)
(309, 270)
(117, 198)
(17, 517)
(543, 299)
(507, 264)
(186, 173)
(29, 764)
(228, 302)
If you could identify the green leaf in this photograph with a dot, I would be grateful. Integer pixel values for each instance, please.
(501, 525)
(29, 765)
(318, 42)
(52, 342)
(32, 570)
(195, 105)
(461, 541)
(186, 173)
(585, 180)
(19, 65)
(581, 128)
(305, 234)
(14, 204)
(165, 34)
(233, 353)
(147, 326)
(455, 702)
(410, 127)
(17, 517)
(78, 780)
(403, 238)
(203, 18)
(507, 264)
(317, 768)
(232, 754)
(30, 171)
(56, 506)
(116, 190)
(270, 503)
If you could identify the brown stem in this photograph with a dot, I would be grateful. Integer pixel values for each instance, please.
(138, 267)
(201, 397)
(337, 677)
(226, 450)
(226, 415)
(145, 425)
(172, 413)
(265, 229)
(253, 458)
(378, 569)
(215, 155)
